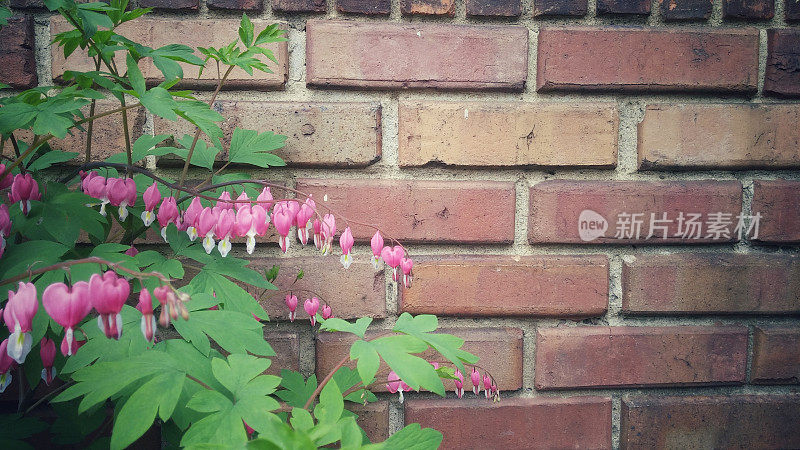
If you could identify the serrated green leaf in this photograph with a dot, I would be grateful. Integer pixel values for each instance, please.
(331, 404)
(135, 76)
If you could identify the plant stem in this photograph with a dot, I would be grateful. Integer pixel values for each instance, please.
(325, 381)
(90, 128)
(199, 382)
(89, 260)
(127, 134)
(48, 395)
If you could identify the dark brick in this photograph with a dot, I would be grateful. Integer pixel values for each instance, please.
(299, 5)
(17, 53)
(373, 418)
(239, 5)
(685, 9)
(559, 7)
(372, 7)
(287, 351)
(776, 201)
(428, 7)
(500, 8)
(783, 63)
(791, 10)
(748, 9)
(170, 4)
(623, 7)
(775, 356)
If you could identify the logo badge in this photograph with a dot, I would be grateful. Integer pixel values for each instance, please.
(591, 225)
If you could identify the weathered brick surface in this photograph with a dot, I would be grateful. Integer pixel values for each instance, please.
(428, 7)
(318, 134)
(372, 7)
(373, 419)
(732, 421)
(748, 9)
(298, 5)
(287, 351)
(710, 283)
(239, 5)
(498, 8)
(170, 4)
(776, 201)
(17, 53)
(193, 32)
(387, 55)
(556, 207)
(545, 134)
(713, 136)
(590, 58)
(561, 286)
(791, 10)
(499, 350)
(685, 9)
(559, 7)
(356, 292)
(782, 76)
(597, 357)
(574, 422)
(775, 356)
(623, 7)
(422, 210)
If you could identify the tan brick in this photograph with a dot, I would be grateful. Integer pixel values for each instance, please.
(508, 134)
(287, 351)
(428, 7)
(561, 286)
(776, 201)
(776, 359)
(713, 136)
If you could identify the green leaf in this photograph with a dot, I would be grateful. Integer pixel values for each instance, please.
(359, 328)
(368, 360)
(272, 273)
(240, 333)
(48, 122)
(331, 403)
(296, 390)
(140, 149)
(51, 158)
(135, 76)
(414, 437)
(301, 419)
(159, 102)
(238, 370)
(246, 31)
(415, 371)
(30, 255)
(250, 147)
(447, 345)
(16, 115)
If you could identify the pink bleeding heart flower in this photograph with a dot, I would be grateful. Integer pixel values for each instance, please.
(166, 297)
(327, 312)
(311, 306)
(317, 228)
(47, 350)
(96, 186)
(395, 384)
(122, 193)
(24, 189)
(206, 224)
(151, 198)
(303, 218)
(487, 385)
(459, 382)
(65, 348)
(67, 307)
(328, 231)
(264, 199)
(406, 264)
(190, 217)
(108, 293)
(242, 201)
(248, 429)
(167, 214)
(7, 363)
(475, 377)
(132, 251)
(245, 226)
(18, 316)
(392, 256)
(495, 393)
(291, 303)
(346, 243)
(260, 219)
(282, 218)
(294, 208)
(224, 201)
(377, 245)
(5, 227)
(145, 306)
(223, 230)
(7, 179)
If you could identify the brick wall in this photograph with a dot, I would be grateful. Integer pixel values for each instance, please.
(480, 131)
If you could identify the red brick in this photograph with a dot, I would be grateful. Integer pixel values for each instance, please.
(596, 357)
(776, 201)
(421, 210)
(428, 7)
(714, 136)
(356, 292)
(560, 286)
(318, 134)
(775, 356)
(246, 5)
(192, 32)
(731, 421)
(685, 9)
(710, 283)
(541, 134)
(518, 423)
(298, 5)
(791, 10)
(373, 419)
(192, 5)
(424, 55)
(593, 58)
(559, 8)
(782, 76)
(497, 8)
(287, 351)
(371, 7)
(748, 9)
(641, 7)
(17, 53)
(499, 350)
(556, 206)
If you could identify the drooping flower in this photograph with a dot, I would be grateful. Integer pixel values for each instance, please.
(406, 264)
(327, 312)
(67, 307)
(18, 316)
(223, 230)
(346, 243)
(294, 208)
(328, 231)
(395, 384)
(392, 256)
(151, 198)
(47, 350)
(495, 393)
(96, 186)
(317, 228)
(6, 364)
(190, 217)
(303, 219)
(7, 178)
(122, 193)
(108, 293)
(66, 349)
(487, 385)
(132, 251)
(167, 213)
(377, 245)
(166, 298)
(282, 218)
(291, 303)
(459, 382)
(475, 377)
(224, 201)
(145, 306)
(5, 227)
(242, 201)
(245, 226)
(264, 199)
(24, 189)
(205, 227)
(311, 306)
